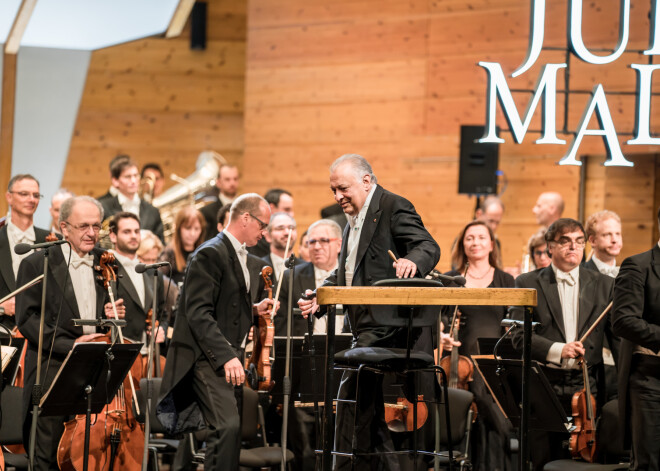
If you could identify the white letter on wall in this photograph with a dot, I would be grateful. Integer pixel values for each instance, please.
(575, 37)
(536, 26)
(643, 105)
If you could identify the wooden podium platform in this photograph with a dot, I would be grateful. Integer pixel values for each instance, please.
(426, 296)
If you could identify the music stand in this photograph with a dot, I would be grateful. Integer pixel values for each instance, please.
(503, 379)
(87, 381)
(11, 370)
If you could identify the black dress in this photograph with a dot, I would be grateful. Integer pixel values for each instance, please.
(492, 430)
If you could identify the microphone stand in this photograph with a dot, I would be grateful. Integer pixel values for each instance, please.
(286, 381)
(37, 389)
(150, 360)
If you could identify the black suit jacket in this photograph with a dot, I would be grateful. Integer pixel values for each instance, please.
(591, 265)
(59, 292)
(303, 280)
(595, 294)
(149, 215)
(7, 280)
(136, 312)
(392, 224)
(214, 316)
(210, 213)
(636, 316)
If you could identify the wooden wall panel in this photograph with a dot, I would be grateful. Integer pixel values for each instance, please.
(159, 101)
(394, 81)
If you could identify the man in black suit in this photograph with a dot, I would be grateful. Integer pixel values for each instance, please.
(72, 293)
(226, 187)
(604, 234)
(636, 318)
(378, 221)
(126, 179)
(22, 198)
(133, 290)
(204, 362)
(570, 299)
(277, 234)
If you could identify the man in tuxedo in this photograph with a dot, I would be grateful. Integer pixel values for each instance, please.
(22, 198)
(604, 234)
(378, 221)
(72, 293)
(126, 179)
(636, 318)
(277, 235)
(204, 362)
(135, 290)
(324, 240)
(227, 186)
(570, 299)
(54, 210)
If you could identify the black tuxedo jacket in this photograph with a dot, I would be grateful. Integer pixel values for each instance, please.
(149, 215)
(392, 224)
(303, 280)
(214, 316)
(136, 312)
(210, 213)
(595, 294)
(636, 316)
(7, 280)
(591, 265)
(61, 309)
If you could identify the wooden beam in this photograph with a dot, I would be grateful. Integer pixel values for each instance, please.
(7, 124)
(20, 25)
(179, 18)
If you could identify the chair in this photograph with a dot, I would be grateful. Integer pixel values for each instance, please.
(460, 402)
(156, 445)
(401, 360)
(610, 442)
(252, 419)
(11, 431)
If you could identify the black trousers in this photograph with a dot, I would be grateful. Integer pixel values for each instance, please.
(218, 402)
(644, 393)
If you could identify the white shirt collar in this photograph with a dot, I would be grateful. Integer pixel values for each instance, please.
(123, 199)
(574, 273)
(356, 221)
(17, 236)
(238, 247)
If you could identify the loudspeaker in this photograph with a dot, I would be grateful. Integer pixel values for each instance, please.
(477, 171)
(198, 26)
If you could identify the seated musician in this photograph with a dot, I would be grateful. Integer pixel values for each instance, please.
(215, 314)
(378, 221)
(72, 293)
(570, 299)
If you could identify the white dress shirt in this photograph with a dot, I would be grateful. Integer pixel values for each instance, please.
(84, 286)
(131, 205)
(604, 268)
(17, 236)
(241, 251)
(278, 265)
(356, 223)
(568, 285)
(321, 323)
(136, 278)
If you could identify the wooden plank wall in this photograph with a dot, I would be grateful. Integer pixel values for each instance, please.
(394, 81)
(159, 101)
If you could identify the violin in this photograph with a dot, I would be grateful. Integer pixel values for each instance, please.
(400, 416)
(583, 409)
(116, 438)
(158, 365)
(262, 354)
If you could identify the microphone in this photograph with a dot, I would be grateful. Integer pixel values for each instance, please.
(514, 323)
(458, 279)
(141, 267)
(21, 249)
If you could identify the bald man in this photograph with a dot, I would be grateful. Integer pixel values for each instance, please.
(548, 208)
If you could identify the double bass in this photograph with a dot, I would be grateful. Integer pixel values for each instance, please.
(116, 438)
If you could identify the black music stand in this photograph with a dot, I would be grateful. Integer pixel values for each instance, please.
(503, 379)
(87, 381)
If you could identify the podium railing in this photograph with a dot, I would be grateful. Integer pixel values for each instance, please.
(425, 296)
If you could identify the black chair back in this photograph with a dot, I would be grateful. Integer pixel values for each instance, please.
(11, 431)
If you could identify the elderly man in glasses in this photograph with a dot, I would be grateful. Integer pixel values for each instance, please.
(22, 198)
(570, 299)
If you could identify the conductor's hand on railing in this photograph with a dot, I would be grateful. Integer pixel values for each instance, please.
(307, 303)
(405, 268)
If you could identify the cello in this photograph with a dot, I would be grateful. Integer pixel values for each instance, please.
(116, 438)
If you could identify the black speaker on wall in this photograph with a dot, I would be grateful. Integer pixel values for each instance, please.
(477, 171)
(198, 26)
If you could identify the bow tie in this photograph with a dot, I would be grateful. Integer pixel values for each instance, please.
(611, 271)
(565, 277)
(77, 261)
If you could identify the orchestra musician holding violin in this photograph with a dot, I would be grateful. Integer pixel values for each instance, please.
(72, 293)
(204, 370)
(570, 300)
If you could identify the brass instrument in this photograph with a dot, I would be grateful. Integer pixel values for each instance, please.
(190, 190)
(147, 185)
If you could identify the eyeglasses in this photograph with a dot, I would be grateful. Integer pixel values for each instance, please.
(565, 242)
(539, 253)
(262, 225)
(27, 194)
(85, 227)
(323, 241)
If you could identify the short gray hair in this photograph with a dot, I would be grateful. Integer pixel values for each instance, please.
(67, 206)
(280, 213)
(246, 203)
(358, 164)
(334, 227)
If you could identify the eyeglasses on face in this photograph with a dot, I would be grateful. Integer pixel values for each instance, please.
(85, 227)
(565, 242)
(27, 194)
(262, 225)
(323, 241)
